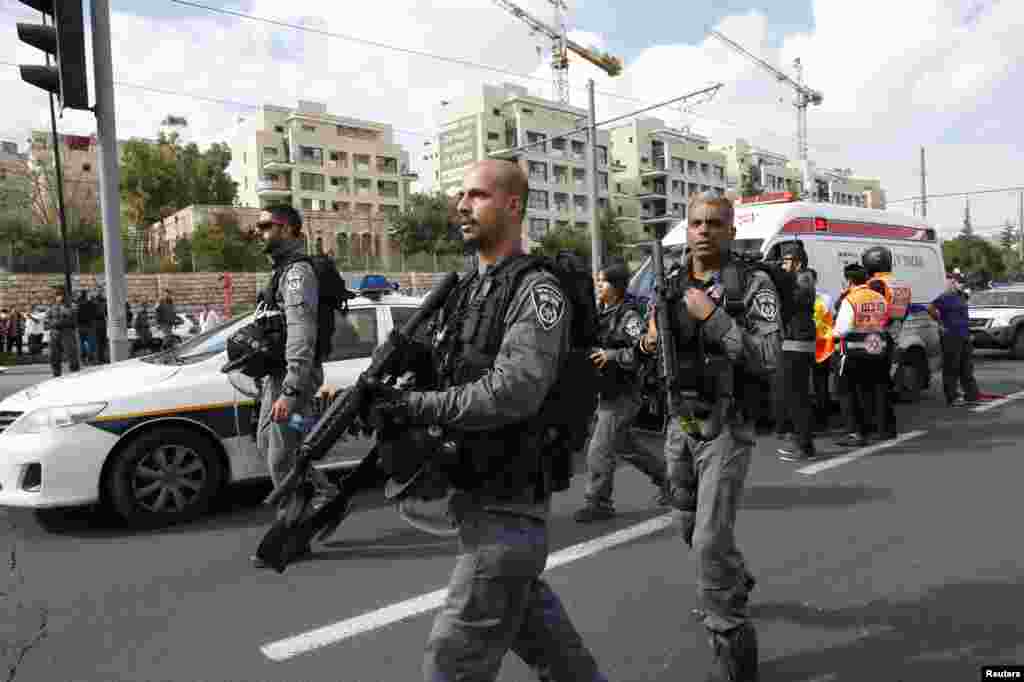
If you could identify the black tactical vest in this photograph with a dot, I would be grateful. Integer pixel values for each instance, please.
(800, 326)
(615, 380)
(507, 463)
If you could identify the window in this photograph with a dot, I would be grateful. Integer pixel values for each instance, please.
(338, 206)
(704, 169)
(311, 182)
(307, 204)
(582, 226)
(580, 203)
(493, 136)
(538, 227)
(538, 199)
(339, 159)
(561, 201)
(602, 155)
(538, 171)
(691, 167)
(678, 187)
(558, 145)
(311, 155)
(692, 188)
(364, 209)
(579, 176)
(705, 188)
(561, 224)
(362, 186)
(362, 163)
(387, 164)
(620, 209)
(308, 129)
(719, 173)
(86, 167)
(401, 315)
(387, 188)
(389, 210)
(678, 165)
(355, 335)
(278, 129)
(618, 187)
(340, 185)
(578, 150)
(561, 175)
(270, 151)
(602, 181)
(527, 111)
(532, 137)
(602, 204)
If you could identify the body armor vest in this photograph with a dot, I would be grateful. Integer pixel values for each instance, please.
(800, 326)
(614, 379)
(866, 337)
(508, 463)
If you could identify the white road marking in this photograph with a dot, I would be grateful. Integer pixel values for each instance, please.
(305, 642)
(998, 403)
(857, 454)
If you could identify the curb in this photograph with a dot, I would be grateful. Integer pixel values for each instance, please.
(15, 370)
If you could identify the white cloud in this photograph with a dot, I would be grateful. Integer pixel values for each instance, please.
(895, 74)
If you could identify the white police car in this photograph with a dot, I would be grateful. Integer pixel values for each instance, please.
(157, 438)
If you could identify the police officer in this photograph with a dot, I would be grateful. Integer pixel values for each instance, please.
(877, 261)
(620, 327)
(863, 361)
(60, 323)
(491, 399)
(297, 298)
(798, 347)
(708, 446)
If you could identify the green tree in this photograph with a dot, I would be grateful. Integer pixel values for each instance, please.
(183, 254)
(222, 245)
(423, 225)
(1008, 237)
(567, 237)
(971, 254)
(750, 186)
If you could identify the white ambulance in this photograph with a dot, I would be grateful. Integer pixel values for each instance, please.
(834, 236)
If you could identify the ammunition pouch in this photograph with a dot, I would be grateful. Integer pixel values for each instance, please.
(257, 349)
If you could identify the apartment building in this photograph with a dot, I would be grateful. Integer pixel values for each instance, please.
(79, 156)
(656, 169)
(14, 174)
(506, 116)
(318, 162)
(774, 172)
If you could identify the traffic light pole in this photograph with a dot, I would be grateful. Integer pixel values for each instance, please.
(110, 198)
(61, 215)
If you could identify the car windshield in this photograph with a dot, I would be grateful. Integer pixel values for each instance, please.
(200, 347)
(995, 298)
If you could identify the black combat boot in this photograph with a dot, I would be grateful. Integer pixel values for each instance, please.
(735, 654)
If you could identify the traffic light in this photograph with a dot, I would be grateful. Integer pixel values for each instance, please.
(65, 40)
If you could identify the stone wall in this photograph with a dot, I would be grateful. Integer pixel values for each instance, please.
(188, 290)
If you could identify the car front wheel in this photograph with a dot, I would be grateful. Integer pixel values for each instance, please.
(165, 476)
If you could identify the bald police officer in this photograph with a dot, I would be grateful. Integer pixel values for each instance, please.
(729, 347)
(620, 326)
(297, 298)
(502, 340)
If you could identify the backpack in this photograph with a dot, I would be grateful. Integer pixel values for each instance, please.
(574, 394)
(736, 274)
(333, 296)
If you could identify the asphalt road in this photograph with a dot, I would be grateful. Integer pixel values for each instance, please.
(901, 565)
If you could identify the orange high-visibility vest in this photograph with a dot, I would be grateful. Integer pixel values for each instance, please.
(824, 343)
(870, 310)
(898, 295)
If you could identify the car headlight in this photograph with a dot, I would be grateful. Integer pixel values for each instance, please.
(49, 418)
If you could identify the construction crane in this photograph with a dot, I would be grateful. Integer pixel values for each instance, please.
(804, 95)
(561, 46)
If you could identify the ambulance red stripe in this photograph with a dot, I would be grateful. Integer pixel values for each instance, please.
(849, 229)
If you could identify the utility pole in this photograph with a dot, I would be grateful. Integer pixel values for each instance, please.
(62, 216)
(1020, 221)
(924, 191)
(110, 196)
(596, 243)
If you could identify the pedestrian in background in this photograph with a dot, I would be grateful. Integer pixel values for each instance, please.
(36, 329)
(143, 332)
(620, 326)
(60, 323)
(86, 319)
(17, 331)
(798, 349)
(950, 309)
(100, 328)
(5, 329)
(166, 316)
(208, 318)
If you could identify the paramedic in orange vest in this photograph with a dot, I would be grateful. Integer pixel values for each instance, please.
(824, 347)
(863, 362)
(898, 297)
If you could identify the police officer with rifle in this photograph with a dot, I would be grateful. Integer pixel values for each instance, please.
(716, 329)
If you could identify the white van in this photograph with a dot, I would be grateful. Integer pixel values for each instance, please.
(833, 237)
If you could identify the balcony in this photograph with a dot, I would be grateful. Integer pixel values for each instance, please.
(268, 188)
(284, 164)
(658, 169)
(655, 192)
(651, 218)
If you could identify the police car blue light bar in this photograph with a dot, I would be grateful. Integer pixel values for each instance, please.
(373, 285)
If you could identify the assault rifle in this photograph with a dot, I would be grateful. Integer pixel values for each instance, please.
(668, 363)
(298, 522)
